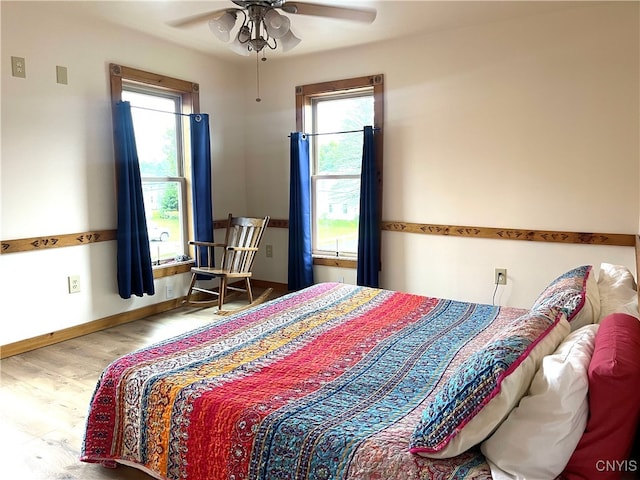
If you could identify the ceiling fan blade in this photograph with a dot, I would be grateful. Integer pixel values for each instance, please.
(200, 18)
(364, 15)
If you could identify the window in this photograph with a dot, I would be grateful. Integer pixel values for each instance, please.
(159, 144)
(158, 103)
(334, 113)
(336, 160)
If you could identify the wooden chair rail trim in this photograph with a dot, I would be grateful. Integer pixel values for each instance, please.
(95, 236)
(57, 241)
(614, 239)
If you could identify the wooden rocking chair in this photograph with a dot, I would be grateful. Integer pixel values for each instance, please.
(239, 250)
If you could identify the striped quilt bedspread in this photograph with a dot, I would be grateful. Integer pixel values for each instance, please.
(325, 383)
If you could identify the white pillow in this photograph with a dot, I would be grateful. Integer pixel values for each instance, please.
(618, 291)
(539, 435)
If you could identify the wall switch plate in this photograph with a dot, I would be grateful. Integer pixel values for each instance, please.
(269, 251)
(18, 68)
(74, 284)
(61, 74)
(501, 276)
(169, 291)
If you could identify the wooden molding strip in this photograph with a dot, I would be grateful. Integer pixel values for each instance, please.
(84, 238)
(335, 262)
(28, 344)
(615, 239)
(638, 261)
(273, 223)
(56, 241)
(280, 287)
(86, 328)
(170, 269)
(152, 78)
(279, 223)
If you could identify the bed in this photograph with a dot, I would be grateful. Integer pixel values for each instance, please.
(344, 382)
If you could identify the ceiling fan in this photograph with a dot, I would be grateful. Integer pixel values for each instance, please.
(262, 26)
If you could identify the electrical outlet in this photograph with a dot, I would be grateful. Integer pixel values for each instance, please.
(18, 68)
(269, 251)
(168, 291)
(74, 283)
(501, 276)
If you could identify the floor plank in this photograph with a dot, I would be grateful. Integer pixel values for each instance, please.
(45, 393)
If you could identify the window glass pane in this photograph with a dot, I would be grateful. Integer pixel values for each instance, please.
(341, 153)
(337, 210)
(164, 212)
(156, 133)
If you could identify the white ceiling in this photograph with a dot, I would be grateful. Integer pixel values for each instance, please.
(394, 19)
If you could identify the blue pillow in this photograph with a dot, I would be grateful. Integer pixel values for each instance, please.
(575, 293)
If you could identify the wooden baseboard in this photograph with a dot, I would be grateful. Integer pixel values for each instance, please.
(279, 287)
(40, 341)
(28, 344)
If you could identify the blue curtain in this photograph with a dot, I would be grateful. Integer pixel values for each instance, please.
(300, 259)
(201, 179)
(134, 268)
(369, 222)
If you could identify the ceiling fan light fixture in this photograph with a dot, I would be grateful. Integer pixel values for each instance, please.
(263, 24)
(239, 47)
(289, 41)
(221, 27)
(277, 25)
(244, 34)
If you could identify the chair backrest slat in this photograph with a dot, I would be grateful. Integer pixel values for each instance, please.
(242, 232)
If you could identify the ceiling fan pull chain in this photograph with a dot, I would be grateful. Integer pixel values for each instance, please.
(258, 99)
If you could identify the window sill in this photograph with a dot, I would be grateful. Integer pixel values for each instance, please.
(173, 268)
(328, 261)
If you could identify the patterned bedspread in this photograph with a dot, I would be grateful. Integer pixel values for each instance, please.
(325, 383)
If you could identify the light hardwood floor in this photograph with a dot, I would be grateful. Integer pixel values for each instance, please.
(45, 393)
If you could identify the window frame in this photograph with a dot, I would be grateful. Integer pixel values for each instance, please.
(188, 92)
(305, 96)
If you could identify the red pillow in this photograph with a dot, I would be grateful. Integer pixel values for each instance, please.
(614, 403)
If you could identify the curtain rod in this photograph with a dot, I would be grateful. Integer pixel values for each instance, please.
(165, 111)
(336, 133)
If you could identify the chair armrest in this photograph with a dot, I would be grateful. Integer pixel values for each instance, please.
(243, 249)
(206, 244)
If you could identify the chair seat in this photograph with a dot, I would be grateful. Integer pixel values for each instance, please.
(219, 272)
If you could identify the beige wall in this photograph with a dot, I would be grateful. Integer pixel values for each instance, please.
(529, 123)
(57, 159)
